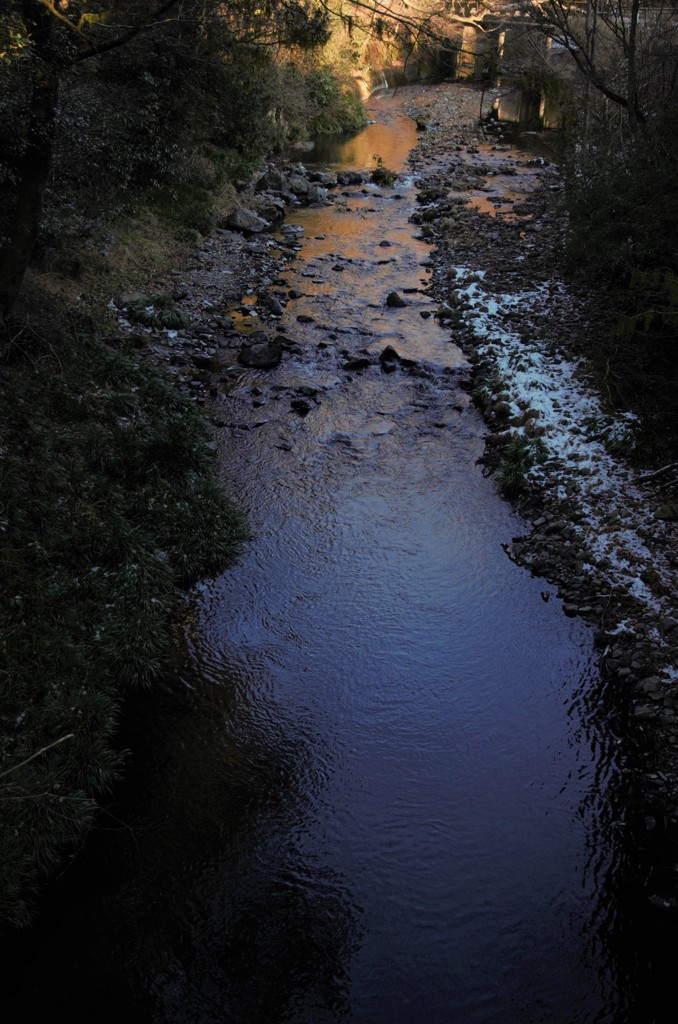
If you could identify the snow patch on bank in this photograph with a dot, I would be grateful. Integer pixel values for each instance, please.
(579, 438)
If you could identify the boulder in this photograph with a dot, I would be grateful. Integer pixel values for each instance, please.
(350, 178)
(246, 220)
(272, 210)
(323, 178)
(394, 300)
(272, 181)
(668, 512)
(316, 194)
(261, 353)
(388, 355)
(357, 363)
(299, 185)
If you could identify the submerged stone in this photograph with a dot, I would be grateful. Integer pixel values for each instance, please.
(262, 353)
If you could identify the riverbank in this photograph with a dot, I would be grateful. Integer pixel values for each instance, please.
(603, 527)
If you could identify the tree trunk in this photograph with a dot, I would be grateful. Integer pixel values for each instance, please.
(33, 173)
(634, 113)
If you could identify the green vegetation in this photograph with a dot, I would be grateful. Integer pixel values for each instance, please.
(616, 84)
(381, 175)
(335, 107)
(108, 505)
(623, 215)
(517, 459)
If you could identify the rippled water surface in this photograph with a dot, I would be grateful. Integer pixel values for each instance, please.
(378, 793)
(438, 741)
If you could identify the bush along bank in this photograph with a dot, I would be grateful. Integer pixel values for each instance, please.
(110, 502)
(603, 526)
(110, 506)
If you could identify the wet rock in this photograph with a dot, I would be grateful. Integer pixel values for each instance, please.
(316, 194)
(394, 300)
(273, 210)
(389, 355)
(246, 220)
(262, 353)
(301, 406)
(323, 178)
(274, 180)
(299, 185)
(668, 512)
(204, 360)
(350, 178)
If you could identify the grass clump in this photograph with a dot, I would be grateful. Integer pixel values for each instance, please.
(518, 458)
(188, 208)
(381, 175)
(109, 504)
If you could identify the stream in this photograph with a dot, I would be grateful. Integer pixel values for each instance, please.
(378, 789)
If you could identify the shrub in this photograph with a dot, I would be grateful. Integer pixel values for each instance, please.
(517, 460)
(109, 505)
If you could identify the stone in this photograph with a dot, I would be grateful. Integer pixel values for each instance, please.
(358, 363)
(350, 178)
(316, 194)
(389, 355)
(261, 353)
(299, 185)
(204, 360)
(273, 180)
(393, 300)
(668, 512)
(246, 220)
(323, 178)
(273, 210)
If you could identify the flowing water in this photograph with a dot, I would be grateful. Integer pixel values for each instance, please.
(378, 791)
